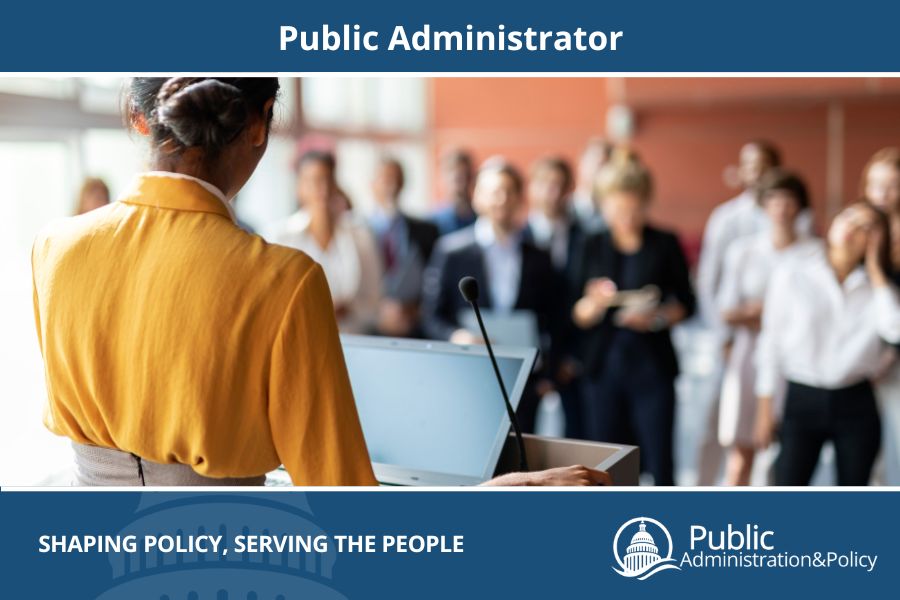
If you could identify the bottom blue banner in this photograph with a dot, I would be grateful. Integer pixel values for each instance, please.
(445, 544)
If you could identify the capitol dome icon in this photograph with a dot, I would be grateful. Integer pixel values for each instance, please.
(642, 551)
(642, 557)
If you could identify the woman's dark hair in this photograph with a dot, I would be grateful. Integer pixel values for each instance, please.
(779, 180)
(197, 112)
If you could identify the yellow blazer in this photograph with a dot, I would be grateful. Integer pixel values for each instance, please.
(169, 332)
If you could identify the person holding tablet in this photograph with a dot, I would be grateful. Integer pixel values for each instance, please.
(180, 349)
(829, 313)
(629, 360)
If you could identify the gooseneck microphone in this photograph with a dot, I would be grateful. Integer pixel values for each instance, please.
(468, 287)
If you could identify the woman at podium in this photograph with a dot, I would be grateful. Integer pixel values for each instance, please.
(178, 348)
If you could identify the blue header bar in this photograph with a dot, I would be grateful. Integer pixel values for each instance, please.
(576, 36)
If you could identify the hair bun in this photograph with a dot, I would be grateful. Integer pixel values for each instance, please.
(201, 112)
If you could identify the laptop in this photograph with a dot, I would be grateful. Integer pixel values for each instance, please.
(509, 328)
(432, 412)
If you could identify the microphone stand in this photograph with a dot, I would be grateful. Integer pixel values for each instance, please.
(523, 462)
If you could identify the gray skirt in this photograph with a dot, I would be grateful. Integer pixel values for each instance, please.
(95, 466)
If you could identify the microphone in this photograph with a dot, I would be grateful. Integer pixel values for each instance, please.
(468, 287)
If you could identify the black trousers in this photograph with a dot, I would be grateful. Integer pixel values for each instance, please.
(633, 402)
(848, 417)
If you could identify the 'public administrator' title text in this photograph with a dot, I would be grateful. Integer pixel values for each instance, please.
(352, 38)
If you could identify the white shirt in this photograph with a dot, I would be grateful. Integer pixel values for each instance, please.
(204, 184)
(351, 264)
(739, 217)
(503, 263)
(819, 332)
(748, 267)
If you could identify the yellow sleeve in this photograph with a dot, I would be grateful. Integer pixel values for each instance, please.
(315, 426)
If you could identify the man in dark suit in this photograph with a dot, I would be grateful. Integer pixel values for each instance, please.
(513, 273)
(554, 227)
(406, 244)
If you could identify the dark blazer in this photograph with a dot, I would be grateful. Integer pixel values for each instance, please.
(569, 335)
(404, 280)
(577, 235)
(423, 235)
(660, 262)
(458, 255)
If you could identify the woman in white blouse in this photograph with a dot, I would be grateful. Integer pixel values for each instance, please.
(880, 185)
(324, 229)
(748, 267)
(828, 312)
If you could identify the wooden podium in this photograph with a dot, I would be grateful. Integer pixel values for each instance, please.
(621, 462)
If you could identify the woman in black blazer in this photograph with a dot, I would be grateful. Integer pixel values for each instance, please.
(630, 363)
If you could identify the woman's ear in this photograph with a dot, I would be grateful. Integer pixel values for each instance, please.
(260, 129)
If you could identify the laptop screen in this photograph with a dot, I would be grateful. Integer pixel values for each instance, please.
(432, 407)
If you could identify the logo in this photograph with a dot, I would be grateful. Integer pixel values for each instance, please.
(642, 557)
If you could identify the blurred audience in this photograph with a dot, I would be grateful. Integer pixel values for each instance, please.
(94, 193)
(748, 265)
(798, 321)
(457, 174)
(406, 244)
(330, 233)
(636, 286)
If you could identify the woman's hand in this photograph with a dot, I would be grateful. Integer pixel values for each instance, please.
(575, 475)
(748, 314)
(636, 320)
(764, 430)
(464, 337)
(598, 295)
(651, 320)
(873, 263)
(601, 290)
(641, 321)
